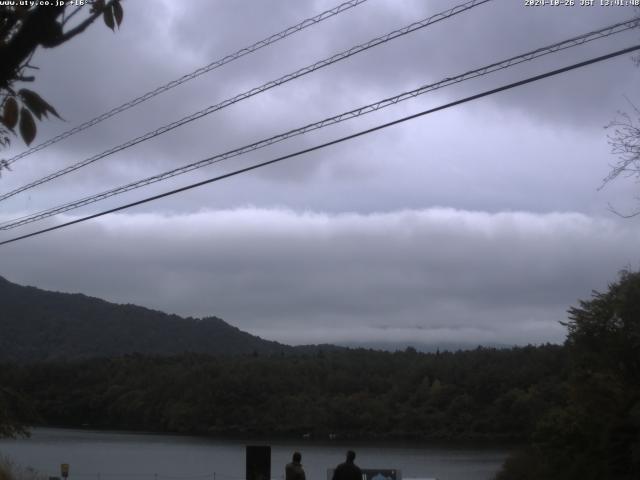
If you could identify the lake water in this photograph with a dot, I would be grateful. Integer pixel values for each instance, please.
(132, 456)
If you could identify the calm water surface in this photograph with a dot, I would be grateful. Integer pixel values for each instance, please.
(132, 456)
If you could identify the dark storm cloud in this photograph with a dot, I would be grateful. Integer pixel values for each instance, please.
(163, 42)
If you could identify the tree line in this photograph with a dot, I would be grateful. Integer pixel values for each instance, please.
(483, 393)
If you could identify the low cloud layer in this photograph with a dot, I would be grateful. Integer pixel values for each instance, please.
(411, 276)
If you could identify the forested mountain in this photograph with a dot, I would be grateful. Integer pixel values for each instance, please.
(38, 325)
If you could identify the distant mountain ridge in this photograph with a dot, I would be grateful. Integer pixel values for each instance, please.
(40, 325)
(423, 347)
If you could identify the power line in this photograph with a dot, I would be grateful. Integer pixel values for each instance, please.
(254, 91)
(528, 56)
(190, 76)
(332, 142)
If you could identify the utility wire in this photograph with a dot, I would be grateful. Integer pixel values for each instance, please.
(254, 91)
(332, 142)
(528, 56)
(190, 76)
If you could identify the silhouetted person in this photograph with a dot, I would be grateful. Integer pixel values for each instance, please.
(294, 470)
(348, 470)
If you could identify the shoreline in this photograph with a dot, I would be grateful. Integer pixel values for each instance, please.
(479, 444)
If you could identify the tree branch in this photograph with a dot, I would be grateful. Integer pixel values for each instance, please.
(71, 15)
(622, 215)
(35, 29)
(81, 27)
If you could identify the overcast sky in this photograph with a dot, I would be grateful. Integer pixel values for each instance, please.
(482, 223)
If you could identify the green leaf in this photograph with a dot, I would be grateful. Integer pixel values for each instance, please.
(36, 103)
(107, 15)
(118, 13)
(10, 114)
(27, 126)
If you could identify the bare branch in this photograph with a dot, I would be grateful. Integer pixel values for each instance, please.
(622, 215)
(625, 144)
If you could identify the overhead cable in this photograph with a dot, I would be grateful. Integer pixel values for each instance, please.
(327, 144)
(254, 91)
(190, 76)
(528, 56)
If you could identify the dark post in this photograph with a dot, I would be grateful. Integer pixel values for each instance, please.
(258, 462)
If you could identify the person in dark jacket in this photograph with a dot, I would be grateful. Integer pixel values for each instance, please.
(294, 470)
(348, 470)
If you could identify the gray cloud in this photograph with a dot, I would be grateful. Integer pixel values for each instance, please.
(413, 275)
(492, 224)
